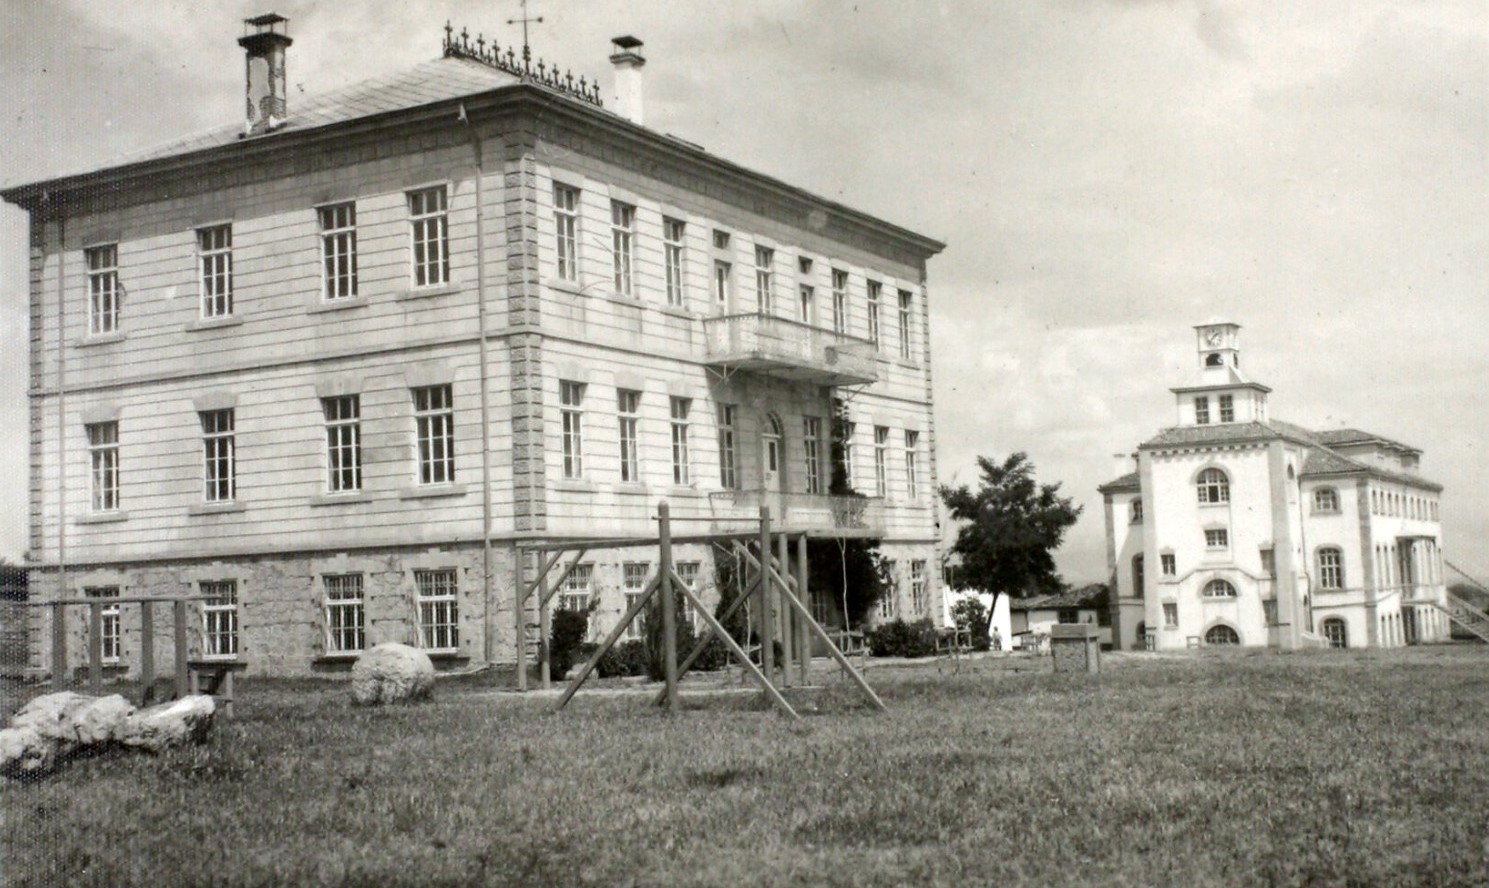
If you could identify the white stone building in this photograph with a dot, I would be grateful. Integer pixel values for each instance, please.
(331, 366)
(1237, 528)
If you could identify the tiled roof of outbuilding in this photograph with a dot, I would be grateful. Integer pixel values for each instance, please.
(1092, 595)
(1124, 484)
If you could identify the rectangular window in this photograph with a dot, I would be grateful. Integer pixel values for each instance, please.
(1217, 538)
(728, 475)
(672, 250)
(687, 571)
(622, 244)
(839, 301)
(906, 302)
(439, 610)
(571, 410)
(633, 584)
(219, 457)
(343, 443)
(345, 614)
(912, 475)
(1068, 615)
(1269, 562)
(574, 595)
(1330, 568)
(1170, 615)
(215, 251)
(220, 619)
(723, 274)
(765, 259)
(434, 433)
(681, 407)
(1269, 611)
(103, 455)
(109, 635)
(1227, 408)
(875, 288)
(628, 409)
(1168, 563)
(1202, 410)
(430, 230)
(919, 597)
(887, 600)
(849, 429)
(720, 239)
(806, 297)
(103, 289)
(566, 228)
(881, 460)
(812, 444)
(338, 250)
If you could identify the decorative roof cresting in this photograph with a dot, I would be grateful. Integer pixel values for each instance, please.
(462, 47)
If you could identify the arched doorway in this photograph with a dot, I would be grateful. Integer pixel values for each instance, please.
(773, 463)
(1222, 634)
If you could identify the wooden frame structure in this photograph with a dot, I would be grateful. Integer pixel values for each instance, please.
(186, 673)
(774, 591)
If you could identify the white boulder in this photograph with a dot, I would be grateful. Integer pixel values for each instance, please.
(169, 724)
(392, 673)
(74, 719)
(24, 750)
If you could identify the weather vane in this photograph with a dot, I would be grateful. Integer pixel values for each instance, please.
(526, 50)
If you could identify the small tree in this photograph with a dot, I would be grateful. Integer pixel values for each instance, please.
(972, 618)
(1012, 526)
(849, 569)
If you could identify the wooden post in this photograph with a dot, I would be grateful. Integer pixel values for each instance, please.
(147, 648)
(669, 608)
(545, 631)
(59, 644)
(784, 624)
(804, 633)
(767, 614)
(178, 629)
(519, 605)
(95, 648)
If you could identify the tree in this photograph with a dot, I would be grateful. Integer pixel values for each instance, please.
(1012, 526)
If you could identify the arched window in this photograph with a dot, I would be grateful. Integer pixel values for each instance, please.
(1219, 589)
(1214, 360)
(1213, 486)
(1222, 634)
(1330, 568)
(1336, 632)
(1326, 499)
(1137, 511)
(1137, 576)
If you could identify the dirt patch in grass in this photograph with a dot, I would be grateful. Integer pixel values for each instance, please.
(1214, 769)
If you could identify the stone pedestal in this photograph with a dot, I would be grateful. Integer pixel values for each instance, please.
(1075, 647)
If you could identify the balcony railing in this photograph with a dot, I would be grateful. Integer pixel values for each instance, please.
(789, 350)
(814, 514)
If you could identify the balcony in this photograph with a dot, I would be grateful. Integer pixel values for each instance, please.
(815, 514)
(788, 350)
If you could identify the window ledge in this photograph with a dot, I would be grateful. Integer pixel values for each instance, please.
(631, 488)
(447, 658)
(341, 304)
(99, 339)
(102, 517)
(685, 490)
(233, 662)
(213, 323)
(337, 657)
(564, 286)
(431, 491)
(340, 499)
(679, 312)
(426, 292)
(216, 508)
(1326, 512)
(575, 485)
(622, 299)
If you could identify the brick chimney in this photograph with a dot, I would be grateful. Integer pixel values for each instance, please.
(628, 63)
(265, 47)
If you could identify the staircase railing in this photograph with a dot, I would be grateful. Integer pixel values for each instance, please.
(1466, 616)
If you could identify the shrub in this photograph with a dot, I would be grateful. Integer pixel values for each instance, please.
(626, 658)
(568, 630)
(900, 639)
(715, 656)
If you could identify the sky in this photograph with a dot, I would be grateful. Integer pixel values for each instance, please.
(1105, 173)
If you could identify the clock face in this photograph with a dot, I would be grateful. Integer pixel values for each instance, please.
(1213, 337)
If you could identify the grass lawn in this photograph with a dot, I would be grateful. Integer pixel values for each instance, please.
(1211, 768)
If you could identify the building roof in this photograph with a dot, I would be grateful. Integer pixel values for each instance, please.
(426, 83)
(1093, 595)
(1320, 461)
(1125, 484)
